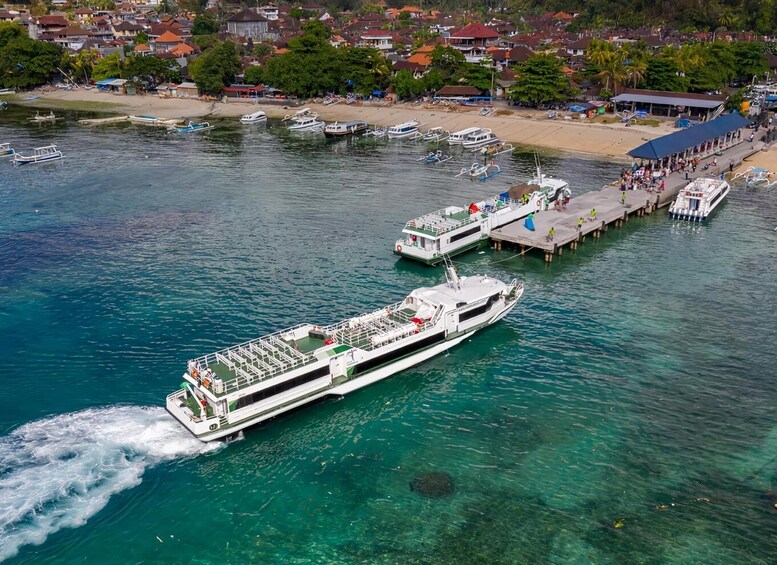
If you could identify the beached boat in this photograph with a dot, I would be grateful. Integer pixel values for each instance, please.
(342, 129)
(495, 149)
(191, 127)
(435, 157)
(39, 155)
(151, 121)
(403, 130)
(458, 137)
(479, 139)
(436, 134)
(50, 117)
(376, 132)
(756, 177)
(298, 114)
(253, 117)
(6, 150)
(456, 229)
(232, 389)
(699, 198)
(308, 122)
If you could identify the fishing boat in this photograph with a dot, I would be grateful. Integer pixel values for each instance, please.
(234, 388)
(435, 134)
(191, 127)
(298, 114)
(480, 139)
(342, 129)
(376, 132)
(457, 229)
(403, 130)
(38, 155)
(6, 150)
(308, 122)
(496, 149)
(699, 198)
(50, 117)
(435, 157)
(253, 117)
(151, 121)
(756, 177)
(482, 172)
(458, 137)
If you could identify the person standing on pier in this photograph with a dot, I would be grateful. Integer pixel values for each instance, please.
(551, 233)
(580, 224)
(593, 214)
(623, 198)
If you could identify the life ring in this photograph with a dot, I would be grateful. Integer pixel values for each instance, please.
(195, 374)
(206, 382)
(399, 248)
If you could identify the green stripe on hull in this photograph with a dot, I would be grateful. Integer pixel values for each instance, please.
(437, 260)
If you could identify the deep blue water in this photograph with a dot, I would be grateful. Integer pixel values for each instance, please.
(623, 413)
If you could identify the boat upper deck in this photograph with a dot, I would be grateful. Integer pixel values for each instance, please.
(442, 221)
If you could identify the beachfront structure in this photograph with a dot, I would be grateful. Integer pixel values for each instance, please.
(700, 141)
(247, 24)
(473, 41)
(672, 104)
(461, 93)
(244, 91)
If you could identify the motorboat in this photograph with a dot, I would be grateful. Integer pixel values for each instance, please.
(39, 155)
(479, 139)
(191, 127)
(6, 150)
(307, 122)
(232, 389)
(699, 198)
(458, 137)
(253, 117)
(50, 117)
(343, 129)
(435, 134)
(403, 130)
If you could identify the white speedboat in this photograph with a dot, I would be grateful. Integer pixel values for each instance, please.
(699, 198)
(253, 117)
(232, 389)
(456, 229)
(458, 137)
(308, 122)
(403, 130)
(38, 155)
(342, 129)
(479, 139)
(6, 150)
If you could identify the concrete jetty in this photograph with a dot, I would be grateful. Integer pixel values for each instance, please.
(610, 211)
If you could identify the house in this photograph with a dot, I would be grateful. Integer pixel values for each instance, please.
(126, 30)
(46, 24)
(519, 54)
(244, 91)
(187, 90)
(83, 15)
(71, 37)
(417, 70)
(413, 11)
(141, 49)
(166, 42)
(473, 40)
(182, 50)
(247, 23)
(578, 48)
(270, 12)
(378, 39)
(6, 16)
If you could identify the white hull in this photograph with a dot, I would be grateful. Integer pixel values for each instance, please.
(403, 135)
(699, 199)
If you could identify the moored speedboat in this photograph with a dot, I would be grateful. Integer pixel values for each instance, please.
(457, 229)
(39, 155)
(307, 122)
(342, 129)
(232, 389)
(699, 198)
(6, 150)
(479, 139)
(458, 137)
(253, 117)
(403, 130)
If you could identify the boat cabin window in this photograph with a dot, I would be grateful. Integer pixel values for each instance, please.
(464, 234)
(482, 309)
(282, 387)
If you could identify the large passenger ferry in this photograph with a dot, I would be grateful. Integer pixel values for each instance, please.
(697, 200)
(455, 229)
(229, 390)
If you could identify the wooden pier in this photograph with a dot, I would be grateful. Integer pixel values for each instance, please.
(610, 211)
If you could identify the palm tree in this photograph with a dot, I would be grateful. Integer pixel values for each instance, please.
(599, 52)
(612, 73)
(636, 71)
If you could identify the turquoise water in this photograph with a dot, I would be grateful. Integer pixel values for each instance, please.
(623, 413)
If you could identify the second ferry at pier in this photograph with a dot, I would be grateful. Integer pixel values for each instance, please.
(454, 230)
(232, 389)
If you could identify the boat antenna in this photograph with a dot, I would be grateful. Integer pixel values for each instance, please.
(450, 273)
(538, 167)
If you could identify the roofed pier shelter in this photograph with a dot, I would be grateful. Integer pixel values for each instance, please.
(700, 141)
(672, 104)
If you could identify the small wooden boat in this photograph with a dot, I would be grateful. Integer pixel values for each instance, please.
(50, 117)
(253, 117)
(376, 132)
(191, 127)
(494, 150)
(6, 150)
(435, 157)
(39, 155)
(435, 134)
(481, 172)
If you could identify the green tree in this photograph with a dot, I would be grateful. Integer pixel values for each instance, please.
(540, 80)
(447, 61)
(10, 31)
(82, 63)
(662, 74)
(205, 24)
(141, 37)
(151, 71)
(253, 75)
(25, 62)
(110, 66)
(749, 59)
(216, 68)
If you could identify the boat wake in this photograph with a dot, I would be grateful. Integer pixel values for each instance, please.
(58, 472)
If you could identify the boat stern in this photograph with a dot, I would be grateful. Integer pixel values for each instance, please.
(201, 423)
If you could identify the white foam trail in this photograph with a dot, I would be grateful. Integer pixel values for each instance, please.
(58, 472)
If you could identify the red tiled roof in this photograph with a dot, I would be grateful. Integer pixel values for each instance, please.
(477, 31)
(169, 37)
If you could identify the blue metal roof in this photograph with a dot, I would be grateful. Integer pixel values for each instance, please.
(679, 141)
(105, 82)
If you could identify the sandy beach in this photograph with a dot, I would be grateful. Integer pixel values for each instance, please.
(766, 159)
(518, 126)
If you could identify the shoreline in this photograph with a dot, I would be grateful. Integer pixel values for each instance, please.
(517, 126)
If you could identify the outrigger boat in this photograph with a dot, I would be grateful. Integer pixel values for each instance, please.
(457, 229)
(6, 150)
(191, 127)
(435, 157)
(376, 132)
(481, 172)
(403, 130)
(342, 129)
(50, 117)
(39, 155)
(147, 120)
(436, 134)
(699, 198)
(3, 105)
(227, 391)
(756, 177)
(253, 117)
(493, 150)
